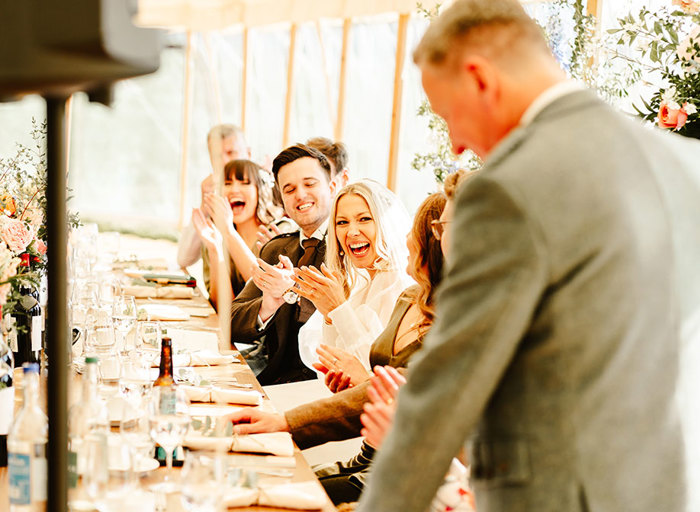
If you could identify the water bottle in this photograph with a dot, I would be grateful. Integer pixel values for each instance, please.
(88, 428)
(26, 446)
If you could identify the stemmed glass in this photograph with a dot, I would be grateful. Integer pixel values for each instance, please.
(135, 430)
(169, 421)
(123, 316)
(202, 481)
(148, 340)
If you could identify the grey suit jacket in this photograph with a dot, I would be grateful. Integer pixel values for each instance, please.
(556, 344)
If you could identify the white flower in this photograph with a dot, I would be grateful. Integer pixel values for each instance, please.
(690, 108)
(669, 96)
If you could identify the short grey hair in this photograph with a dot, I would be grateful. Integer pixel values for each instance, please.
(463, 17)
(224, 131)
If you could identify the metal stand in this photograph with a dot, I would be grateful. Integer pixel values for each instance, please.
(57, 318)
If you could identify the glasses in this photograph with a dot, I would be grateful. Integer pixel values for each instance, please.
(438, 227)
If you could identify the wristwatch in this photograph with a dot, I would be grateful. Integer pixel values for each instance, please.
(290, 296)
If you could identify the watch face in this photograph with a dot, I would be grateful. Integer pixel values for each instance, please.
(290, 296)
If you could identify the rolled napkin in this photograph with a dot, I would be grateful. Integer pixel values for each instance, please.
(240, 497)
(296, 495)
(299, 495)
(164, 312)
(222, 396)
(236, 396)
(159, 292)
(200, 442)
(275, 443)
(198, 358)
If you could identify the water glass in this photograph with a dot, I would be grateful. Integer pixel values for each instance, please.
(202, 481)
(123, 317)
(110, 366)
(169, 421)
(135, 381)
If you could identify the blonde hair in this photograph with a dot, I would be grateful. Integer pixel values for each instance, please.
(473, 21)
(392, 224)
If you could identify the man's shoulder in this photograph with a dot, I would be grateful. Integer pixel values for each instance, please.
(281, 244)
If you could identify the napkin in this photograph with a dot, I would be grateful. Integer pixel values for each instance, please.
(240, 497)
(198, 358)
(159, 292)
(200, 442)
(299, 495)
(224, 396)
(164, 312)
(275, 443)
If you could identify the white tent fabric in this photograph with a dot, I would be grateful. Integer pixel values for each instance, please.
(219, 14)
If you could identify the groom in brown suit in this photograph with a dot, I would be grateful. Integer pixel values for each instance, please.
(267, 310)
(570, 287)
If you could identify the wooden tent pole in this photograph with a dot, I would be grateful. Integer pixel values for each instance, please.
(391, 179)
(214, 77)
(340, 116)
(69, 124)
(186, 108)
(244, 78)
(290, 83)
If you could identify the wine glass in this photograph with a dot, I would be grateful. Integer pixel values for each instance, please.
(148, 340)
(135, 431)
(123, 316)
(202, 481)
(169, 421)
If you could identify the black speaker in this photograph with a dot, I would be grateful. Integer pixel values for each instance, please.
(57, 47)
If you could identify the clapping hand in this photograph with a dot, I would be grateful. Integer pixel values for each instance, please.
(345, 368)
(220, 210)
(266, 234)
(322, 287)
(379, 412)
(206, 230)
(273, 281)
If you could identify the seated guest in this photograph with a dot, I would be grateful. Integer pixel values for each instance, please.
(264, 312)
(225, 142)
(338, 417)
(245, 204)
(355, 291)
(337, 155)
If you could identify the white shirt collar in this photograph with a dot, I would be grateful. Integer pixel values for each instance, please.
(548, 97)
(319, 234)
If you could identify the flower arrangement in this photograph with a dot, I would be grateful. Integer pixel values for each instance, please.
(664, 46)
(22, 219)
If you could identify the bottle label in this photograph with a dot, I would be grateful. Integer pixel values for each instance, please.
(7, 409)
(39, 473)
(168, 401)
(36, 333)
(72, 469)
(19, 468)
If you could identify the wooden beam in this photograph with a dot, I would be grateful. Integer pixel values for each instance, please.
(69, 124)
(244, 78)
(290, 84)
(595, 7)
(186, 108)
(340, 116)
(214, 77)
(391, 178)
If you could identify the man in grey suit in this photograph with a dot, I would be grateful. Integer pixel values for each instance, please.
(556, 344)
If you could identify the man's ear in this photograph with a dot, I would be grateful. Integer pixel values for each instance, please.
(344, 176)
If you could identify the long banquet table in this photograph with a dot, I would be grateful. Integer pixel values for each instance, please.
(240, 371)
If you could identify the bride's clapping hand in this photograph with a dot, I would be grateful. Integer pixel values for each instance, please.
(322, 287)
(220, 210)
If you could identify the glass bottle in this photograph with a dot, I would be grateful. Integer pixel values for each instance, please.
(29, 325)
(7, 398)
(26, 446)
(88, 428)
(165, 376)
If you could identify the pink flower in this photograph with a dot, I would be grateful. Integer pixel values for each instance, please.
(672, 116)
(40, 247)
(686, 50)
(688, 6)
(15, 234)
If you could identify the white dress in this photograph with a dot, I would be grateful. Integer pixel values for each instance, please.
(358, 321)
